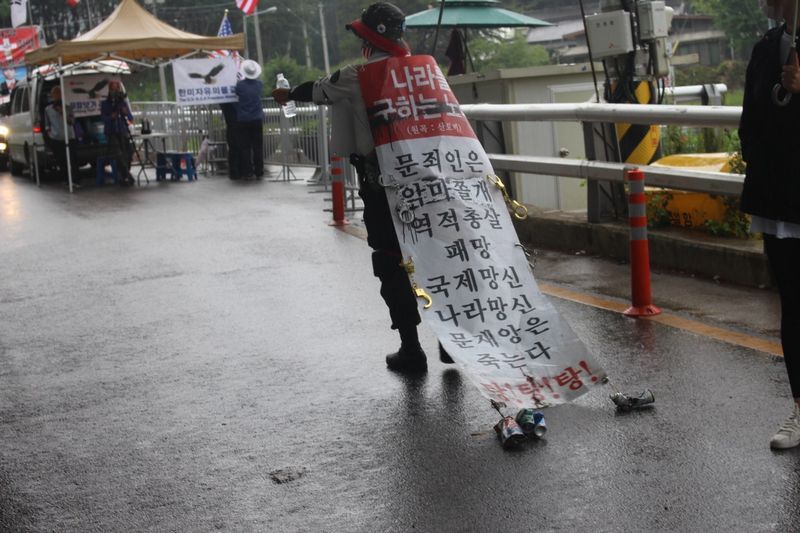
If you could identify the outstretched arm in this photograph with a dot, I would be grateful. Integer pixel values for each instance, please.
(301, 93)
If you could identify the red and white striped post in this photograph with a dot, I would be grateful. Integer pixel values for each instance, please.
(337, 190)
(641, 296)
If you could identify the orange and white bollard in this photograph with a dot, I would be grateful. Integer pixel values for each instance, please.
(337, 190)
(641, 296)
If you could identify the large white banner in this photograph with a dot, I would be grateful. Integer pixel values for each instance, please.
(453, 224)
(84, 94)
(205, 81)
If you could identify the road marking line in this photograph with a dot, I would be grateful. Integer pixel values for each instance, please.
(693, 326)
(724, 335)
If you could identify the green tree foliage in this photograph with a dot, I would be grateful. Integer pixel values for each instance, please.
(281, 31)
(731, 73)
(293, 71)
(492, 53)
(741, 20)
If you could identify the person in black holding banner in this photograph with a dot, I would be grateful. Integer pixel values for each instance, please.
(770, 138)
(381, 29)
(116, 115)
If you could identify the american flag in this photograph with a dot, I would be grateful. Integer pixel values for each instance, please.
(225, 30)
(248, 6)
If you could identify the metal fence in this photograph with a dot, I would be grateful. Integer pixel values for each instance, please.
(303, 139)
(298, 141)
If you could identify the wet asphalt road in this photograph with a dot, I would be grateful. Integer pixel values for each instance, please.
(209, 357)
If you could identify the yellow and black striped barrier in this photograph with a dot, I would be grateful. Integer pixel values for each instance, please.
(638, 143)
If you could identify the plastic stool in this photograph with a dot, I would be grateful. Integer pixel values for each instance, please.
(183, 165)
(100, 170)
(176, 164)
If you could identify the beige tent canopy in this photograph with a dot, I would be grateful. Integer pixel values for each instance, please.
(130, 33)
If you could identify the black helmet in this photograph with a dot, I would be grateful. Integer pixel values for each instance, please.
(386, 19)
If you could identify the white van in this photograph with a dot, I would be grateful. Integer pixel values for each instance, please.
(26, 126)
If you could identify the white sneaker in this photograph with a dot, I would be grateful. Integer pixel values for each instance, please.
(788, 436)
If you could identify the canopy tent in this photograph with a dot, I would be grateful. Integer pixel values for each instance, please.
(131, 33)
(463, 14)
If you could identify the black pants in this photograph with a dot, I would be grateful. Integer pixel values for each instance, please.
(784, 259)
(119, 146)
(386, 257)
(234, 157)
(251, 142)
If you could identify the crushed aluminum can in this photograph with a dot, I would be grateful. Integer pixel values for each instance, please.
(532, 422)
(511, 435)
(627, 403)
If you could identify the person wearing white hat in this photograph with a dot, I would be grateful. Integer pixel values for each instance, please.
(250, 117)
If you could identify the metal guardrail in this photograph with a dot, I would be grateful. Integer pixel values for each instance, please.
(658, 176)
(703, 116)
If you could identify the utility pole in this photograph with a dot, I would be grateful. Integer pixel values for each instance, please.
(630, 38)
(308, 49)
(259, 51)
(324, 40)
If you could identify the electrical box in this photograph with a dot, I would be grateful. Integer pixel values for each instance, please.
(609, 33)
(653, 20)
(659, 57)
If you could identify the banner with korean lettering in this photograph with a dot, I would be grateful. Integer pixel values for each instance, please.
(453, 224)
(85, 93)
(17, 41)
(205, 81)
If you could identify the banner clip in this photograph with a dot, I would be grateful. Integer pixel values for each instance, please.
(519, 211)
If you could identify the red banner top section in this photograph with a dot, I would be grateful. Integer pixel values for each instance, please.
(14, 42)
(409, 98)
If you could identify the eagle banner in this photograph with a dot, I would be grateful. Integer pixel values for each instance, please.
(84, 94)
(205, 81)
(477, 291)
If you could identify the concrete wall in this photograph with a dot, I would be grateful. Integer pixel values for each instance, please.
(546, 84)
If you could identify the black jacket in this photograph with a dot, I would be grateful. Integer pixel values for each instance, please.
(770, 137)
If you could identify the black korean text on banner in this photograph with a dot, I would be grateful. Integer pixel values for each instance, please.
(453, 224)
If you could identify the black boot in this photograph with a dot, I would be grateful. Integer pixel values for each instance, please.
(408, 359)
(444, 357)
